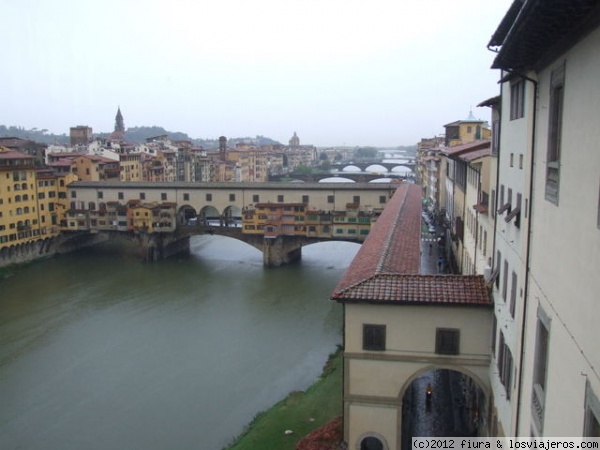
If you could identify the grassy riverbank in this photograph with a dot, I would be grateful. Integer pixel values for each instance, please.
(300, 412)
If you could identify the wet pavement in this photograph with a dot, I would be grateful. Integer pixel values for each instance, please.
(432, 251)
(443, 415)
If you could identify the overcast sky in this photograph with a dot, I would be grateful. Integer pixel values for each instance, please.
(338, 72)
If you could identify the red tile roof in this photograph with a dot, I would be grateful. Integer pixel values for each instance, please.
(386, 268)
(466, 148)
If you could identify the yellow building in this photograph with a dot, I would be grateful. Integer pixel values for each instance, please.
(18, 198)
(32, 206)
(152, 217)
(95, 168)
(52, 201)
(131, 167)
(466, 131)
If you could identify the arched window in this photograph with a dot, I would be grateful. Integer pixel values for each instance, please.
(92, 206)
(25, 197)
(26, 210)
(19, 211)
(24, 186)
(17, 187)
(17, 198)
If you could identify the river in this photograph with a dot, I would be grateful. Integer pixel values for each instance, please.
(101, 351)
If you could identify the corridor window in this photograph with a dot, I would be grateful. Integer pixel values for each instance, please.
(505, 365)
(447, 341)
(540, 369)
(592, 413)
(517, 100)
(374, 337)
(557, 84)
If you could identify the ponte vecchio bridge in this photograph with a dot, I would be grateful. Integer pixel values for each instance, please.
(276, 218)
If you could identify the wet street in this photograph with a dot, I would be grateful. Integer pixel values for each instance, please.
(444, 415)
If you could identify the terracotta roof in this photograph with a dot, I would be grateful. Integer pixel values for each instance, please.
(14, 154)
(419, 289)
(386, 268)
(465, 148)
(476, 154)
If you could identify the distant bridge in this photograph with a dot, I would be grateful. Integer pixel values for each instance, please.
(278, 218)
(364, 166)
(356, 177)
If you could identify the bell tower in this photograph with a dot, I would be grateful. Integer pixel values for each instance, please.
(119, 124)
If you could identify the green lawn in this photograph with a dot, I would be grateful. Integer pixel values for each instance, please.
(301, 412)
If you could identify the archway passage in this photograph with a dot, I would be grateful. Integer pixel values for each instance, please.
(442, 402)
(371, 443)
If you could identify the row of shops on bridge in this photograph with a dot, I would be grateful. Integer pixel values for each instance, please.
(268, 219)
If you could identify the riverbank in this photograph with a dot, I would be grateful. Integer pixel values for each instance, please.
(300, 413)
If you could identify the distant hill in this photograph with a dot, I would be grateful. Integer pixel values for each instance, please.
(41, 136)
(132, 135)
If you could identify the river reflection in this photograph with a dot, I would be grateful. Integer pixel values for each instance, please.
(100, 351)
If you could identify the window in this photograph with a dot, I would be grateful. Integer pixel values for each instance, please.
(331, 199)
(280, 198)
(554, 133)
(521, 161)
(163, 196)
(447, 341)
(356, 199)
(512, 160)
(493, 203)
(497, 267)
(374, 337)
(495, 137)
(305, 199)
(598, 219)
(209, 197)
(515, 213)
(142, 196)
(517, 100)
(540, 368)
(494, 331)
(255, 198)
(382, 200)
(186, 197)
(505, 364)
(513, 294)
(232, 197)
(504, 280)
(100, 194)
(121, 196)
(591, 426)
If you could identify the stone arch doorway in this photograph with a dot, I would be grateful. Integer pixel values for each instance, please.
(232, 216)
(443, 401)
(209, 215)
(187, 215)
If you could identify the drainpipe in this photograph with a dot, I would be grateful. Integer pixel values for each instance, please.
(476, 220)
(528, 247)
(464, 219)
